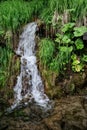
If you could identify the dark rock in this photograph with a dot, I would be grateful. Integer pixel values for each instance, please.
(3, 126)
(85, 36)
(68, 114)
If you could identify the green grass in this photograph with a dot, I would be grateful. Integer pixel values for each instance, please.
(80, 6)
(14, 13)
(76, 9)
(5, 60)
(46, 50)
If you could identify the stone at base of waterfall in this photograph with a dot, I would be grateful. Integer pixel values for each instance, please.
(68, 114)
(25, 100)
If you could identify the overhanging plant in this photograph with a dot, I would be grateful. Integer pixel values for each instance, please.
(71, 36)
(79, 31)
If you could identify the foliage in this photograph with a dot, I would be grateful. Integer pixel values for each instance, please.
(58, 63)
(46, 51)
(77, 65)
(84, 58)
(76, 9)
(46, 15)
(79, 44)
(67, 38)
(22, 11)
(66, 44)
(54, 55)
(5, 60)
(79, 31)
(45, 9)
(38, 6)
(18, 12)
(68, 27)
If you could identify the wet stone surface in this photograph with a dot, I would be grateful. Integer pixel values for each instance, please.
(67, 114)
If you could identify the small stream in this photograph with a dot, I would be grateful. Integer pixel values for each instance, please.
(29, 86)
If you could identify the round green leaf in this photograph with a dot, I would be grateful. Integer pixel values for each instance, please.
(79, 44)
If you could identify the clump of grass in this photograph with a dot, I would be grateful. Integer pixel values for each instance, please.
(46, 50)
(5, 60)
(14, 13)
(58, 64)
(20, 11)
(80, 7)
(76, 9)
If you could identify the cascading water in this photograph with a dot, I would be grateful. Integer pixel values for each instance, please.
(29, 83)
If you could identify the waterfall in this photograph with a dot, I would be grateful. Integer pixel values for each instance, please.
(29, 84)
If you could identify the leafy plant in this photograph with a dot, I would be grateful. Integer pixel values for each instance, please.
(68, 27)
(67, 40)
(79, 44)
(79, 31)
(62, 58)
(84, 58)
(77, 65)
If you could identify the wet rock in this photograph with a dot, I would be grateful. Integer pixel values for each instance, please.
(68, 114)
(55, 92)
(3, 127)
(71, 84)
(3, 105)
(85, 103)
(85, 36)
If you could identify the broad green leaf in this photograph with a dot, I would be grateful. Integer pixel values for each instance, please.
(68, 27)
(75, 62)
(66, 49)
(74, 57)
(66, 39)
(79, 31)
(84, 58)
(78, 68)
(79, 44)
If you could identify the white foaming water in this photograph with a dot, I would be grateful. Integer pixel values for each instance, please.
(29, 83)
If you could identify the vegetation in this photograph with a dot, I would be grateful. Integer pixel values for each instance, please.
(68, 45)
(18, 14)
(5, 59)
(46, 51)
(20, 11)
(68, 21)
